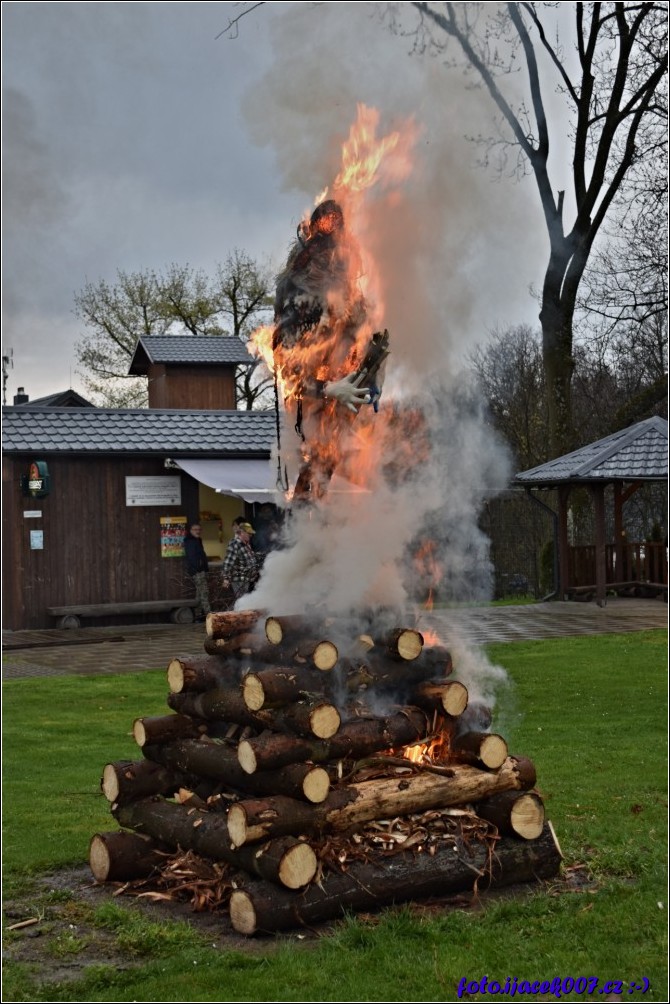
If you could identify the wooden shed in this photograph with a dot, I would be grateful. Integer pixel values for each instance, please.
(612, 470)
(91, 497)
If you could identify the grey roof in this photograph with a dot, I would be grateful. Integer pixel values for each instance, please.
(29, 429)
(63, 399)
(638, 453)
(188, 350)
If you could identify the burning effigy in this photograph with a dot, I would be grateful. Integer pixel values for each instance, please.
(327, 752)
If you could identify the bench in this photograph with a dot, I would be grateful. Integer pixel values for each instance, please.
(181, 611)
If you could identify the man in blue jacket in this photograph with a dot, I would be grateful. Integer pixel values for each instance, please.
(196, 566)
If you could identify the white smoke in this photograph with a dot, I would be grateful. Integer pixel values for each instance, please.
(352, 552)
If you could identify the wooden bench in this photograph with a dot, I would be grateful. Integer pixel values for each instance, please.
(181, 611)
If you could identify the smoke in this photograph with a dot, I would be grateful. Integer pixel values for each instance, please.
(433, 457)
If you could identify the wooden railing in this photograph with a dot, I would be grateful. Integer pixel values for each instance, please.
(640, 563)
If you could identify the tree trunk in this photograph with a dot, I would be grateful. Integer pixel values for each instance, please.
(351, 805)
(276, 686)
(484, 748)
(229, 623)
(455, 867)
(311, 717)
(402, 643)
(121, 856)
(201, 672)
(272, 750)
(557, 356)
(164, 728)
(445, 698)
(126, 780)
(219, 762)
(287, 861)
(519, 814)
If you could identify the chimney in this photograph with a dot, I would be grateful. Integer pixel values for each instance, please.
(21, 397)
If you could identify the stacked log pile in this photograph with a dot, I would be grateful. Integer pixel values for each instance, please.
(328, 770)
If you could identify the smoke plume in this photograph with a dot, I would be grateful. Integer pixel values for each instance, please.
(434, 458)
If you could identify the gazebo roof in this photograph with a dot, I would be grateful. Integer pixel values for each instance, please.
(638, 453)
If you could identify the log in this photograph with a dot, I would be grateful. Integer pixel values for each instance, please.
(455, 867)
(305, 718)
(273, 750)
(228, 623)
(439, 657)
(216, 760)
(163, 728)
(200, 673)
(514, 813)
(126, 780)
(279, 629)
(121, 856)
(353, 804)
(322, 654)
(445, 698)
(288, 861)
(277, 685)
(402, 643)
(387, 676)
(485, 748)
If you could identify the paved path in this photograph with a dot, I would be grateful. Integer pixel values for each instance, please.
(127, 649)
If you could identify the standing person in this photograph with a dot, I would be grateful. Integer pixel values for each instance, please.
(196, 566)
(240, 565)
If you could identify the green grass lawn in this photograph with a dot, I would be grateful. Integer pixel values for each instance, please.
(590, 712)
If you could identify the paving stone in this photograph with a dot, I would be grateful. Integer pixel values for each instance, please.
(95, 651)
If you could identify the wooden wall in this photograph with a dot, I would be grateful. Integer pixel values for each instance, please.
(96, 549)
(205, 388)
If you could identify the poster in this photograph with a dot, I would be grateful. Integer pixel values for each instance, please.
(173, 531)
(37, 540)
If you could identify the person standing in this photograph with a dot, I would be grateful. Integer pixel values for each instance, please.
(196, 566)
(240, 565)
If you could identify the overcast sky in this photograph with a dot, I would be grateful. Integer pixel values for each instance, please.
(134, 138)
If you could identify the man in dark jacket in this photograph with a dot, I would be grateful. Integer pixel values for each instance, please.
(196, 566)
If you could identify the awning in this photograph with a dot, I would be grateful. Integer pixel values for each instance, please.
(251, 480)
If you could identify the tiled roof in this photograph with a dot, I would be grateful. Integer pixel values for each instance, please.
(28, 429)
(62, 399)
(638, 453)
(188, 350)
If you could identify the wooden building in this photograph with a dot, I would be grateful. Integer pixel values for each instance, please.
(612, 470)
(91, 496)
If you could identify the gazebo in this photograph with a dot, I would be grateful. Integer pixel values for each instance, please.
(626, 460)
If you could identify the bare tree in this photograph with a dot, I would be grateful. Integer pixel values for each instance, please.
(616, 101)
(510, 374)
(180, 300)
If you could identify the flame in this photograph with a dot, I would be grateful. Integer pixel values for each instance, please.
(335, 346)
(428, 568)
(433, 751)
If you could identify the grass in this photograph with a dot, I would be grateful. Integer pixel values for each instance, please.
(589, 711)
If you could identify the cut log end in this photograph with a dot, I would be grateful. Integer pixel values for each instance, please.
(298, 867)
(139, 732)
(274, 631)
(493, 751)
(253, 692)
(325, 721)
(316, 785)
(247, 757)
(175, 676)
(242, 913)
(455, 698)
(325, 656)
(99, 859)
(110, 785)
(527, 816)
(237, 825)
(410, 644)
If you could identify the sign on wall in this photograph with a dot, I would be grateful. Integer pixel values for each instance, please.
(173, 531)
(37, 540)
(36, 483)
(153, 490)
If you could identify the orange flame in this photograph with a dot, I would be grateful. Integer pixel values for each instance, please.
(336, 345)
